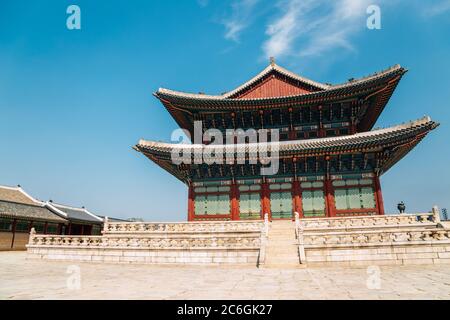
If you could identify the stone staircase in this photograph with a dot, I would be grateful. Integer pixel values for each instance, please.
(282, 247)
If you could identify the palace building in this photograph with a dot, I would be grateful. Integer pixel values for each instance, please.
(20, 212)
(330, 159)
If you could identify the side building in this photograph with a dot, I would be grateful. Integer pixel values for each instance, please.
(19, 212)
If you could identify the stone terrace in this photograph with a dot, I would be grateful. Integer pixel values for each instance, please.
(39, 279)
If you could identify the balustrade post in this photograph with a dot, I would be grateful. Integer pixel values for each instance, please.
(297, 223)
(436, 214)
(301, 244)
(32, 235)
(266, 224)
(105, 226)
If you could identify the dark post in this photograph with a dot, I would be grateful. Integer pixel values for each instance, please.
(401, 207)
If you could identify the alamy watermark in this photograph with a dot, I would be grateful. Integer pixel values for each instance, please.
(237, 147)
(373, 281)
(73, 21)
(73, 281)
(374, 19)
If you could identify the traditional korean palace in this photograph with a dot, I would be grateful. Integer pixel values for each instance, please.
(330, 157)
(20, 212)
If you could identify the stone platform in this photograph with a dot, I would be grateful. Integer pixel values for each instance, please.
(350, 241)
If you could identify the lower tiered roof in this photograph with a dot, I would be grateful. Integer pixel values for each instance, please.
(395, 142)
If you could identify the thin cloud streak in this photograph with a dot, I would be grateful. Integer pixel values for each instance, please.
(239, 20)
(437, 8)
(310, 27)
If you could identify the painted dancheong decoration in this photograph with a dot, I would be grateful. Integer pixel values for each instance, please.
(329, 160)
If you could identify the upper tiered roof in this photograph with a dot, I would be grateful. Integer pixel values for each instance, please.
(277, 87)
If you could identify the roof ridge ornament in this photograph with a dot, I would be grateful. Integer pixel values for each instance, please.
(272, 61)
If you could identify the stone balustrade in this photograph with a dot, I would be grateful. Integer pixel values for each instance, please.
(396, 239)
(375, 238)
(217, 242)
(368, 222)
(182, 227)
(178, 243)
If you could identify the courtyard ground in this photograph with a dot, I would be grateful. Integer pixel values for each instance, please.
(39, 279)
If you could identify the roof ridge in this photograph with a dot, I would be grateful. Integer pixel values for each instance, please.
(36, 204)
(67, 206)
(325, 88)
(26, 194)
(85, 210)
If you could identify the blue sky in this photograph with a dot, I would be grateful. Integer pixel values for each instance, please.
(74, 102)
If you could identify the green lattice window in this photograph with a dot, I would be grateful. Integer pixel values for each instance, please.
(22, 226)
(250, 206)
(52, 228)
(212, 204)
(281, 205)
(6, 224)
(313, 203)
(354, 198)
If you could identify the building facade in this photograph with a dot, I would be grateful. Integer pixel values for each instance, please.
(20, 212)
(329, 160)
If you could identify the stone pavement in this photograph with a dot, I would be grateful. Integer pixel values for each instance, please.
(39, 279)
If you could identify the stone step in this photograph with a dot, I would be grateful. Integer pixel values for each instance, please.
(278, 242)
(281, 238)
(282, 261)
(284, 266)
(283, 246)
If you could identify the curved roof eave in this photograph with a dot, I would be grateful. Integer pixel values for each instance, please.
(425, 124)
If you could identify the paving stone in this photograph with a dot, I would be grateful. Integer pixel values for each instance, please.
(21, 278)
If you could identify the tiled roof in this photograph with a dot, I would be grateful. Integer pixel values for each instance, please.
(28, 212)
(16, 194)
(75, 214)
(190, 100)
(404, 136)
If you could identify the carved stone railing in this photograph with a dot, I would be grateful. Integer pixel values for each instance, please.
(183, 227)
(250, 241)
(300, 239)
(365, 222)
(263, 241)
(375, 238)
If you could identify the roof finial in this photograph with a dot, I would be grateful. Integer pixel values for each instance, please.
(272, 61)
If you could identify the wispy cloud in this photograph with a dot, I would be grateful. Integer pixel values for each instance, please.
(305, 28)
(437, 8)
(203, 3)
(239, 19)
(314, 27)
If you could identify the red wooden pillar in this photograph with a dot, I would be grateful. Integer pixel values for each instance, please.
(329, 196)
(234, 202)
(297, 193)
(265, 200)
(191, 203)
(379, 196)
